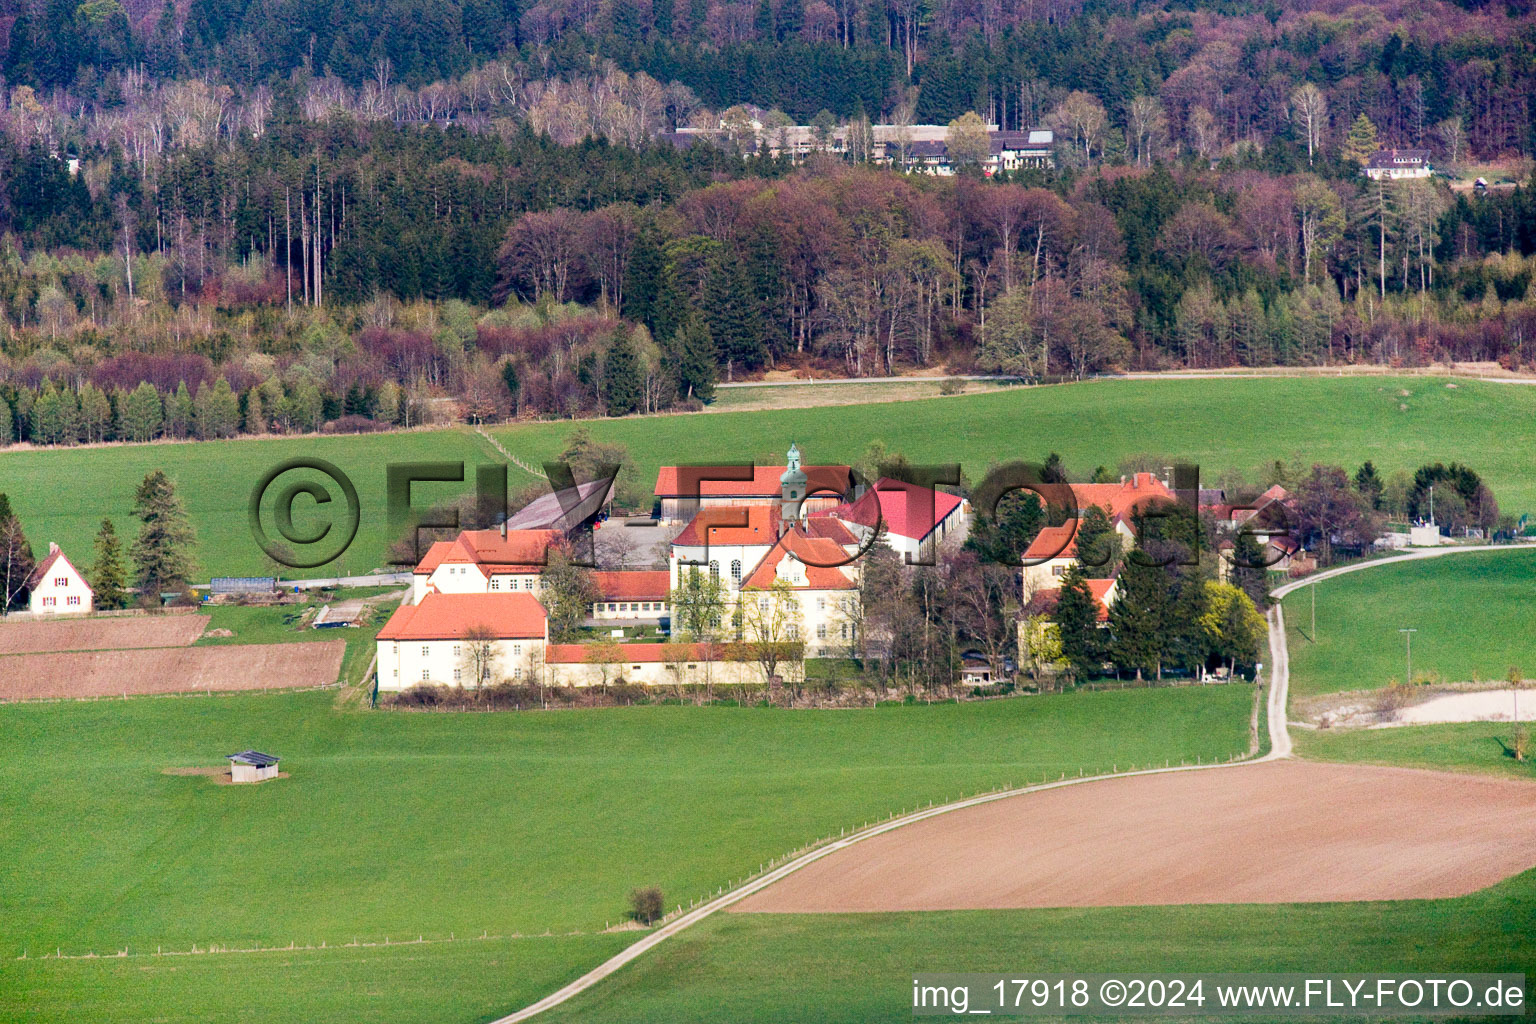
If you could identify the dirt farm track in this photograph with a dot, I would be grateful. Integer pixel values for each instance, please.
(1278, 832)
(170, 670)
(100, 634)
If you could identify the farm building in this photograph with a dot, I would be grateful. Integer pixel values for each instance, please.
(252, 766)
(462, 640)
(58, 588)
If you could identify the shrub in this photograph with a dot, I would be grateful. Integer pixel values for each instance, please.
(645, 904)
(952, 386)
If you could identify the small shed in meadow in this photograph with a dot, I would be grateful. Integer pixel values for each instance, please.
(252, 766)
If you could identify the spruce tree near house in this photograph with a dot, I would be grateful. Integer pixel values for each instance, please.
(162, 554)
(107, 577)
(1077, 622)
(16, 561)
(1140, 617)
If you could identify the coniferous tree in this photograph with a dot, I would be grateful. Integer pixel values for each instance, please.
(179, 412)
(1077, 620)
(1361, 141)
(1139, 616)
(734, 321)
(1188, 641)
(509, 378)
(1368, 482)
(95, 414)
(16, 562)
(671, 309)
(623, 380)
(1098, 545)
(162, 554)
(139, 413)
(7, 428)
(216, 410)
(693, 355)
(643, 280)
(107, 573)
(1249, 574)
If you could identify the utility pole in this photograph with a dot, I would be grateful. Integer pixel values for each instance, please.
(1408, 637)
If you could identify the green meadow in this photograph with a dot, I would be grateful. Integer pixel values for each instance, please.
(1219, 424)
(1474, 614)
(396, 825)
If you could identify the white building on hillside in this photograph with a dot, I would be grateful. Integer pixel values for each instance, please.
(58, 588)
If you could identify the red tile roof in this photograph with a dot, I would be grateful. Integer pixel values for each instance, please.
(1122, 498)
(903, 506)
(634, 585)
(826, 524)
(1054, 542)
(447, 616)
(638, 654)
(763, 484)
(519, 551)
(721, 525)
(819, 555)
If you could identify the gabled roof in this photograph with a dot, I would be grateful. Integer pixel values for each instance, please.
(903, 506)
(54, 557)
(1122, 498)
(1398, 157)
(255, 758)
(563, 510)
(446, 616)
(819, 555)
(1054, 542)
(634, 585)
(518, 551)
(826, 524)
(833, 480)
(722, 525)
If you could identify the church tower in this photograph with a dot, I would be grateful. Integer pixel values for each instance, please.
(792, 485)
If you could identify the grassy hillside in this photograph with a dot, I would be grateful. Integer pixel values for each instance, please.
(1217, 423)
(857, 968)
(398, 825)
(1473, 613)
(1469, 746)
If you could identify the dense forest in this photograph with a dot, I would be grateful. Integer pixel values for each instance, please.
(276, 224)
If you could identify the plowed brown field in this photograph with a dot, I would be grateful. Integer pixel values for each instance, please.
(49, 635)
(170, 670)
(1278, 832)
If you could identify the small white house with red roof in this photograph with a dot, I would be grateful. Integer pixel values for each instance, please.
(454, 639)
(58, 588)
